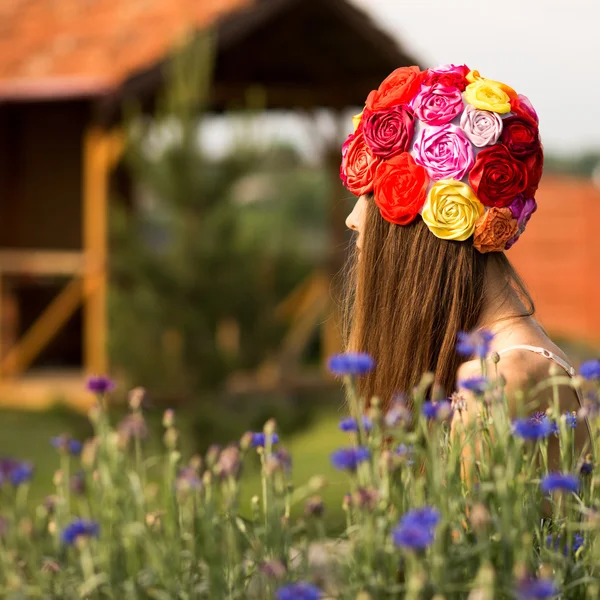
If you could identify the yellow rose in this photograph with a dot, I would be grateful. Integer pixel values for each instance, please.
(451, 210)
(356, 119)
(474, 76)
(487, 95)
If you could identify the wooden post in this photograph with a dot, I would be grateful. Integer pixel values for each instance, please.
(101, 152)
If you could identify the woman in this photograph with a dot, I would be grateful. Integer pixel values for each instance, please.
(445, 164)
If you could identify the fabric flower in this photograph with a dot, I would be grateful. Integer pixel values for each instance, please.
(494, 230)
(388, 132)
(532, 429)
(400, 87)
(351, 363)
(260, 439)
(357, 120)
(100, 384)
(488, 94)
(534, 165)
(438, 104)
(448, 76)
(451, 211)
(347, 459)
(497, 176)
(476, 343)
(77, 529)
(522, 208)
(482, 127)
(444, 151)
(520, 135)
(590, 369)
(400, 189)
(559, 482)
(522, 106)
(358, 165)
(299, 591)
(350, 424)
(536, 589)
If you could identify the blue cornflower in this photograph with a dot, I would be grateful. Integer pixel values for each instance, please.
(351, 363)
(533, 428)
(436, 410)
(477, 385)
(426, 516)
(412, 537)
(21, 473)
(571, 418)
(350, 424)
(67, 444)
(476, 343)
(299, 591)
(554, 543)
(347, 459)
(587, 466)
(100, 384)
(590, 369)
(14, 471)
(79, 528)
(260, 439)
(564, 482)
(536, 589)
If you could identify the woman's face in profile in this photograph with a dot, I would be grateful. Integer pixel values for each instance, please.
(355, 220)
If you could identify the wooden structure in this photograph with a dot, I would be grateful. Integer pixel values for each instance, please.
(66, 69)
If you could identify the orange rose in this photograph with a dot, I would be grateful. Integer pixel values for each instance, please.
(398, 88)
(494, 229)
(400, 188)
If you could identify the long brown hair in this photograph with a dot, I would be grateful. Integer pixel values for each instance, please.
(409, 294)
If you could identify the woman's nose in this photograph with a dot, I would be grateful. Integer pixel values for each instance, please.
(350, 222)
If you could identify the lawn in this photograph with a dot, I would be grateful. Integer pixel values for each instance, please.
(26, 436)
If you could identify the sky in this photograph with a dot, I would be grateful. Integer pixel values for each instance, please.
(548, 50)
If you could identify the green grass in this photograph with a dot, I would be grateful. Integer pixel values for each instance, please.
(26, 436)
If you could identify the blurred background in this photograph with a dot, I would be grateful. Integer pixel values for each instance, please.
(171, 211)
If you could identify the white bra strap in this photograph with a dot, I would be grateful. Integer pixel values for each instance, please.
(545, 353)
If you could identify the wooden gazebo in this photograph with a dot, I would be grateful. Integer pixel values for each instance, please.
(66, 68)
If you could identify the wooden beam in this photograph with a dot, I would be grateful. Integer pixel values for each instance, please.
(40, 262)
(55, 315)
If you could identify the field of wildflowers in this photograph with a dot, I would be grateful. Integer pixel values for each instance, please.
(425, 518)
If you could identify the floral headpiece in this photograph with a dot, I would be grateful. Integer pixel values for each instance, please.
(462, 151)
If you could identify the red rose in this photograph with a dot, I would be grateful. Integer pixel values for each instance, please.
(497, 176)
(522, 107)
(450, 80)
(520, 135)
(388, 132)
(534, 163)
(400, 189)
(398, 88)
(358, 166)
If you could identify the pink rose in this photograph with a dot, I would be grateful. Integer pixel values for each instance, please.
(388, 132)
(482, 127)
(438, 104)
(444, 151)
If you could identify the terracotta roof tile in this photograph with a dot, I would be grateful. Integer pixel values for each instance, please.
(91, 45)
